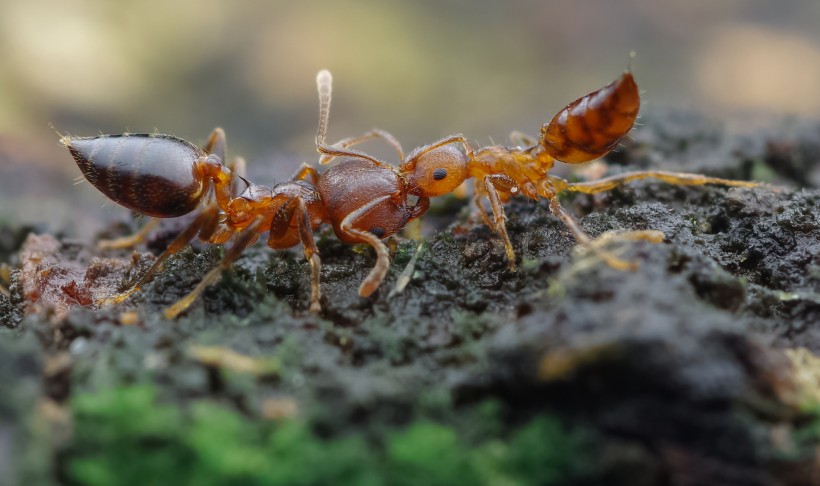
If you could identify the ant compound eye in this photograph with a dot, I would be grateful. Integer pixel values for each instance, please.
(379, 232)
(439, 173)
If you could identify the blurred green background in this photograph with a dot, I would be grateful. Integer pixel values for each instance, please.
(420, 69)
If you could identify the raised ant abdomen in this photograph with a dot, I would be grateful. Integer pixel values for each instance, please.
(586, 129)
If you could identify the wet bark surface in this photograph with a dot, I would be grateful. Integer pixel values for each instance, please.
(681, 372)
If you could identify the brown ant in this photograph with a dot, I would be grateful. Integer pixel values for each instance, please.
(586, 129)
(164, 176)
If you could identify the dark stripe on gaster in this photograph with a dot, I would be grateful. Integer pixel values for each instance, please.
(96, 146)
(138, 194)
(588, 135)
(114, 179)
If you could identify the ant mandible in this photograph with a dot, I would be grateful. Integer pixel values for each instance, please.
(585, 130)
(164, 176)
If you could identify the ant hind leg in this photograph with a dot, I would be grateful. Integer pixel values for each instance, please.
(203, 225)
(595, 246)
(129, 241)
(244, 239)
(676, 178)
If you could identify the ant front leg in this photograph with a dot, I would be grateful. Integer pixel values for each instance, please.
(377, 274)
(243, 240)
(522, 140)
(306, 172)
(372, 134)
(479, 193)
(499, 223)
(676, 178)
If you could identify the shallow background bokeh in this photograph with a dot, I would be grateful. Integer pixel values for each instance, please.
(421, 69)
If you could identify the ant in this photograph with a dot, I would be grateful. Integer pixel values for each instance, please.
(585, 130)
(164, 176)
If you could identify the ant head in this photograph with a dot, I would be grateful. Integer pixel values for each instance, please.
(436, 172)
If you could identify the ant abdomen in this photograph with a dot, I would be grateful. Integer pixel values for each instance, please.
(154, 175)
(591, 126)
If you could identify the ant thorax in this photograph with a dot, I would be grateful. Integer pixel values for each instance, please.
(522, 170)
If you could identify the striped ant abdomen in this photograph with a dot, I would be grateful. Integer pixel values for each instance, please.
(154, 175)
(591, 126)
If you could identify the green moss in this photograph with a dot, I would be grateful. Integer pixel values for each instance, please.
(127, 436)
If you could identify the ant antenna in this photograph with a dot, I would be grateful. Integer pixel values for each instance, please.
(324, 82)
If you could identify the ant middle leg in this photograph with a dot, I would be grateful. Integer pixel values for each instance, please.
(676, 178)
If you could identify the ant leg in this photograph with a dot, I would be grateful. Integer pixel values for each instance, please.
(131, 240)
(217, 144)
(311, 254)
(375, 277)
(204, 222)
(239, 169)
(500, 219)
(676, 178)
(478, 206)
(280, 224)
(521, 139)
(375, 133)
(211, 167)
(244, 239)
(582, 239)
(306, 172)
(652, 236)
